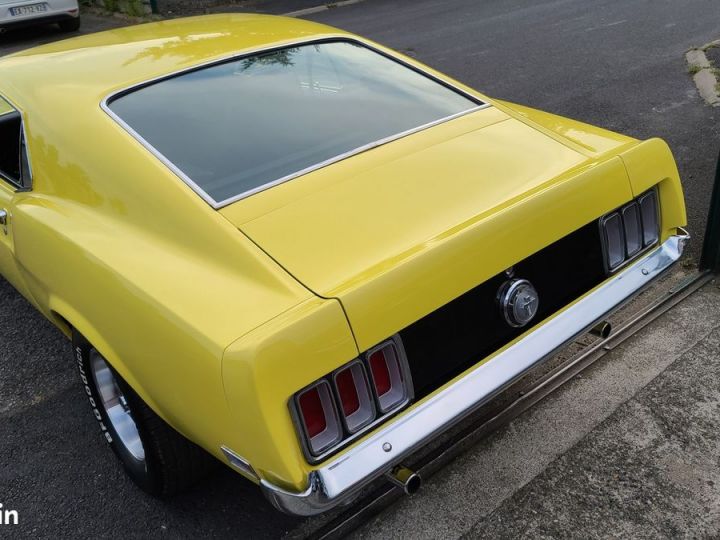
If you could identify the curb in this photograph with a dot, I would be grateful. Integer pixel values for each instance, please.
(132, 19)
(705, 75)
(323, 7)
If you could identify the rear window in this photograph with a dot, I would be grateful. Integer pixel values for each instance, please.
(235, 128)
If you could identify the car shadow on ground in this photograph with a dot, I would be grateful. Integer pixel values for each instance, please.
(17, 39)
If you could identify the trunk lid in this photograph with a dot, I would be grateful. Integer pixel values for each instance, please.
(398, 231)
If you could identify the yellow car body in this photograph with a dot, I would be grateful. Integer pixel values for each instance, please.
(217, 317)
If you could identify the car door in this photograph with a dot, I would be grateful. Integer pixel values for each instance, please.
(15, 176)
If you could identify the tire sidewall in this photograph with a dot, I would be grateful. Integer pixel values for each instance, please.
(142, 473)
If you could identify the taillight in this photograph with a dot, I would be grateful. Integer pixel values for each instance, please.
(633, 229)
(649, 213)
(356, 402)
(614, 241)
(318, 416)
(387, 376)
(340, 406)
(380, 372)
(349, 398)
(313, 413)
(626, 232)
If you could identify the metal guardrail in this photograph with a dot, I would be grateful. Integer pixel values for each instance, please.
(710, 258)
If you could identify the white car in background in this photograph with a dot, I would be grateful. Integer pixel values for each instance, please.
(18, 13)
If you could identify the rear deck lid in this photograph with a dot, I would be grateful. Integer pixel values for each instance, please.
(398, 231)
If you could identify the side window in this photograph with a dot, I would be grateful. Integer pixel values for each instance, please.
(14, 166)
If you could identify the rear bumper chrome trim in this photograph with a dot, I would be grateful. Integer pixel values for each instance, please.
(338, 480)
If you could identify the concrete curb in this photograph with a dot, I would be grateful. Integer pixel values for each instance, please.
(152, 17)
(130, 19)
(705, 74)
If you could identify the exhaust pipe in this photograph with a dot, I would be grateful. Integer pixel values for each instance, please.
(409, 481)
(601, 329)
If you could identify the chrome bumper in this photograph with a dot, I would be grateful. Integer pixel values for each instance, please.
(338, 480)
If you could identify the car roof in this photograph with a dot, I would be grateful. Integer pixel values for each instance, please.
(99, 64)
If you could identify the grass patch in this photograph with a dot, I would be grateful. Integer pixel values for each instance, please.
(716, 72)
(135, 8)
(694, 68)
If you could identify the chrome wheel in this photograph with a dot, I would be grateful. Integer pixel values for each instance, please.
(116, 407)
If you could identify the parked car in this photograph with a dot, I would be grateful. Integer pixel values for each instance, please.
(20, 13)
(303, 253)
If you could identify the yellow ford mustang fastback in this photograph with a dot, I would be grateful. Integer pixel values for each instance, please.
(298, 251)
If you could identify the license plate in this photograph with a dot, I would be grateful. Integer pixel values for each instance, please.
(28, 10)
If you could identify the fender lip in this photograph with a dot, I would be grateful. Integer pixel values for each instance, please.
(339, 480)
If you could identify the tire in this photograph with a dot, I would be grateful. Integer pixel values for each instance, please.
(70, 25)
(155, 456)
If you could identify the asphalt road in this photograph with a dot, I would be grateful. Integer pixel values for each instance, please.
(616, 64)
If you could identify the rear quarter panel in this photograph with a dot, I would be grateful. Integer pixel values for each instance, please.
(113, 243)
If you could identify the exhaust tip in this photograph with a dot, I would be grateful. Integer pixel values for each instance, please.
(409, 481)
(413, 484)
(602, 329)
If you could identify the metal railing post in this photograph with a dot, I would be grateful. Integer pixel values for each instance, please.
(710, 258)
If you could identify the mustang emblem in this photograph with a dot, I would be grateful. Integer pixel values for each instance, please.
(518, 301)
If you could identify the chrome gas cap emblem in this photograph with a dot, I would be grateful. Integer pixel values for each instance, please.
(518, 302)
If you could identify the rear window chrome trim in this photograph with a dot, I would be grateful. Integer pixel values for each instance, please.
(217, 205)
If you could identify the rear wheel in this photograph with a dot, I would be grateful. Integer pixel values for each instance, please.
(157, 458)
(70, 25)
